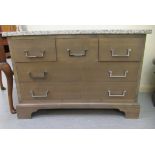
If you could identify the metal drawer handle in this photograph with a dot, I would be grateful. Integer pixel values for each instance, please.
(116, 95)
(116, 55)
(34, 56)
(118, 76)
(77, 54)
(41, 75)
(39, 96)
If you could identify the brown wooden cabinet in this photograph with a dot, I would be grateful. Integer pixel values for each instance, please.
(3, 41)
(8, 28)
(78, 71)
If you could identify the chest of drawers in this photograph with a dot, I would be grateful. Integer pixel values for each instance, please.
(72, 71)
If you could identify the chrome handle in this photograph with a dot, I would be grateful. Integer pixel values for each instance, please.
(41, 76)
(118, 76)
(77, 54)
(116, 95)
(39, 96)
(34, 56)
(116, 55)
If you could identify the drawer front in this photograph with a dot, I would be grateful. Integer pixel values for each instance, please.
(121, 47)
(77, 49)
(111, 92)
(99, 92)
(47, 91)
(68, 72)
(31, 49)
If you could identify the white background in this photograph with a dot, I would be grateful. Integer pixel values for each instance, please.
(77, 142)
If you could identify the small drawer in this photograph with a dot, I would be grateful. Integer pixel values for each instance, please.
(32, 49)
(112, 92)
(121, 47)
(77, 49)
(47, 91)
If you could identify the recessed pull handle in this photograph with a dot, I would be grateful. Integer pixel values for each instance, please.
(116, 95)
(39, 76)
(77, 53)
(45, 94)
(127, 53)
(118, 76)
(27, 54)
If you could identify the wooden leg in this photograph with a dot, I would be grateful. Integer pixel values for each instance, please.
(132, 115)
(1, 83)
(131, 112)
(9, 75)
(25, 112)
(24, 115)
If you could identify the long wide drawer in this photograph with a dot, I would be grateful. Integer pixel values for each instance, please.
(121, 47)
(82, 92)
(32, 49)
(68, 72)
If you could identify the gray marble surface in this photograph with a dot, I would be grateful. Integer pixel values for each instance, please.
(104, 31)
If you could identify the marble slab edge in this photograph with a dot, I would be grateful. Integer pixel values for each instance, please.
(72, 32)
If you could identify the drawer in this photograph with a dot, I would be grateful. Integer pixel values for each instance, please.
(77, 49)
(82, 92)
(68, 72)
(47, 91)
(121, 47)
(31, 49)
(111, 92)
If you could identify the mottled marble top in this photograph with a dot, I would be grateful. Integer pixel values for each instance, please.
(62, 32)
